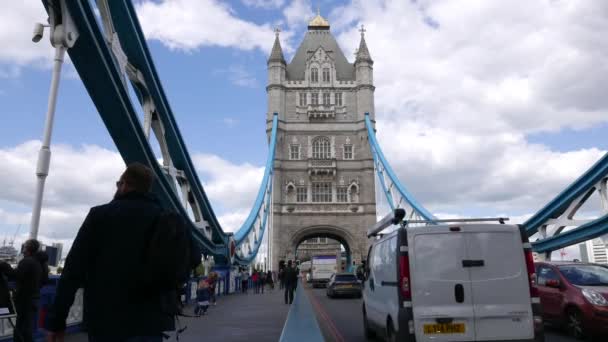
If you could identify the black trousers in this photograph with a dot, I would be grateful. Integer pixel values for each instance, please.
(24, 328)
(289, 289)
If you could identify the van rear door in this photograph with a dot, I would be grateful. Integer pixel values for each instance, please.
(499, 282)
(441, 287)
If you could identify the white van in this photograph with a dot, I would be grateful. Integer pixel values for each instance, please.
(451, 282)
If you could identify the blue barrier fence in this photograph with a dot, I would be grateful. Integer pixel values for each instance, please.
(301, 324)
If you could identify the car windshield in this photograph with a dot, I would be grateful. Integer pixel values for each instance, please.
(345, 277)
(585, 275)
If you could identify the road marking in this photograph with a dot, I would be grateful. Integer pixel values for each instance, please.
(325, 316)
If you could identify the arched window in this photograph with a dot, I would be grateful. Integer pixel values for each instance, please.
(353, 193)
(321, 148)
(314, 75)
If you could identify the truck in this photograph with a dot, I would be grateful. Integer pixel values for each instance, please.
(322, 267)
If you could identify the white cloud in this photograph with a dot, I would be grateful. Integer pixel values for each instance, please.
(239, 75)
(266, 4)
(486, 67)
(298, 12)
(16, 26)
(230, 185)
(190, 24)
(82, 177)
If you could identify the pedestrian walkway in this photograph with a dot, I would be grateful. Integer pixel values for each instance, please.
(238, 317)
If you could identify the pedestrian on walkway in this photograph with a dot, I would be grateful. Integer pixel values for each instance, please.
(212, 281)
(255, 278)
(282, 278)
(202, 298)
(244, 281)
(262, 281)
(110, 259)
(291, 281)
(31, 273)
(269, 280)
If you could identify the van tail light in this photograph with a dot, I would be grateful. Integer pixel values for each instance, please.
(404, 277)
(531, 272)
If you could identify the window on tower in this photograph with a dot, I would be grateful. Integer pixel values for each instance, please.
(342, 194)
(302, 194)
(321, 148)
(338, 99)
(321, 192)
(302, 99)
(348, 151)
(325, 75)
(314, 99)
(294, 152)
(314, 75)
(326, 100)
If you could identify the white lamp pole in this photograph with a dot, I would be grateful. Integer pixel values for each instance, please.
(63, 35)
(44, 156)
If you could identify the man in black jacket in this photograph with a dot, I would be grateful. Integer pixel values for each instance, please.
(28, 280)
(104, 260)
(291, 282)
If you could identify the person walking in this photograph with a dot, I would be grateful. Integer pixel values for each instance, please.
(107, 259)
(212, 281)
(202, 298)
(255, 279)
(30, 275)
(282, 278)
(269, 280)
(245, 281)
(291, 281)
(262, 281)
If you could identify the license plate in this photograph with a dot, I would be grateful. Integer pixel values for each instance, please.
(346, 286)
(444, 328)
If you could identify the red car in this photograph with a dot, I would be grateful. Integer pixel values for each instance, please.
(575, 296)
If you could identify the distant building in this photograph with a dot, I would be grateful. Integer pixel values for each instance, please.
(59, 247)
(594, 251)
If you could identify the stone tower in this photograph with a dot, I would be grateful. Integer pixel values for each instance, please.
(323, 169)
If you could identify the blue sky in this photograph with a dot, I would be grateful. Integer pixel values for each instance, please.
(458, 85)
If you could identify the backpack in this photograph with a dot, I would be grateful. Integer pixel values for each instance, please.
(166, 262)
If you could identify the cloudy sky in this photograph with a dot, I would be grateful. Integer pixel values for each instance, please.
(483, 107)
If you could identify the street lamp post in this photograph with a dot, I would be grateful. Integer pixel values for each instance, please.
(63, 35)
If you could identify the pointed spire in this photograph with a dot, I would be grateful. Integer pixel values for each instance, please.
(363, 52)
(276, 55)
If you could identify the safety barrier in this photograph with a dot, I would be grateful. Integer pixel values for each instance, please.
(47, 295)
(301, 324)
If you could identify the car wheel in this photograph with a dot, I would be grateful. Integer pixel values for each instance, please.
(369, 333)
(391, 336)
(574, 323)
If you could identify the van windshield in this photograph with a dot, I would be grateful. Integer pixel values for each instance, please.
(585, 275)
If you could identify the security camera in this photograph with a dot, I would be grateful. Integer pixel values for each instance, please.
(38, 32)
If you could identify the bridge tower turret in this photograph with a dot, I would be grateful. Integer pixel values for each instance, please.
(364, 71)
(276, 77)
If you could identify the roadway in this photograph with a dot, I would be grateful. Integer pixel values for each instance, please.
(341, 319)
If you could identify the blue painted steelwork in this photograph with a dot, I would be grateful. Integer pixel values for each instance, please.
(384, 169)
(566, 204)
(585, 232)
(134, 46)
(247, 226)
(103, 74)
(560, 203)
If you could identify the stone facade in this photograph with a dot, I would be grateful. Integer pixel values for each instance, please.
(323, 169)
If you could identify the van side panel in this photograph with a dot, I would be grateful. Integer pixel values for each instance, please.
(436, 255)
(501, 294)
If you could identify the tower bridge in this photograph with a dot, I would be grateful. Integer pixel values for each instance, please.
(324, 160)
